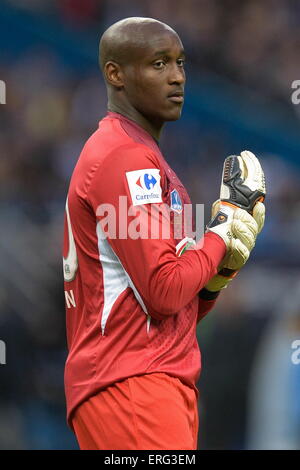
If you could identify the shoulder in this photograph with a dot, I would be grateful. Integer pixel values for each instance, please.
(131, 156)
(118, 152)
(111, 155)
(131, 169)
(111, 144)
(128, 164)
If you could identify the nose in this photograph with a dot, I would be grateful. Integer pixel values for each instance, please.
(177, 75)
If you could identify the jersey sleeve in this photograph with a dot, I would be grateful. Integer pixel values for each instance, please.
(130, 181)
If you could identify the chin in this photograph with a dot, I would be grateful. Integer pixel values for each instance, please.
(174, 116)
(165, 116)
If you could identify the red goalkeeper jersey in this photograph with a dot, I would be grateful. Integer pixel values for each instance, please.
(131, 303)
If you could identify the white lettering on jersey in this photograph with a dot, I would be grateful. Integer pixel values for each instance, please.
(144, 186)
(70, 299)
(70, 263)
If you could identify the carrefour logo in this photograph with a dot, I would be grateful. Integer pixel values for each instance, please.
(144, 186)
(146, 181)
(147, 197)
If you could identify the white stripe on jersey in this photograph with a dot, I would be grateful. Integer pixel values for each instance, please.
(115, 278)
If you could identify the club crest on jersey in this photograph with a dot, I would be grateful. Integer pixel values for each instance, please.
(176, 204)
(144, 186)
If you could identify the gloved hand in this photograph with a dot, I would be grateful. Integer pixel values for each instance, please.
(238, 216)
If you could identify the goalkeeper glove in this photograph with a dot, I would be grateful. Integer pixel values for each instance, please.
(242, 192)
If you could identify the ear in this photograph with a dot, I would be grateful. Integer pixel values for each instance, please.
(113, 74)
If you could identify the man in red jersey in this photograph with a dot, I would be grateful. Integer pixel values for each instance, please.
(132, 304)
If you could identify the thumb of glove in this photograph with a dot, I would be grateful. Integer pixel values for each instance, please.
(259, 212)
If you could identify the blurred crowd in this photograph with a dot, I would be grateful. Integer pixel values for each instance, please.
(254, 43)
(51, 110)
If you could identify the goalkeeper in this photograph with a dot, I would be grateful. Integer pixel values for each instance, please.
(132, 303)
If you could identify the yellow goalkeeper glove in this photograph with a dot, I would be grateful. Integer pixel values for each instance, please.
(239, 215)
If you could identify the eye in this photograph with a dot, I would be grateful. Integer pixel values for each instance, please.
(159, 64)
(181, 62)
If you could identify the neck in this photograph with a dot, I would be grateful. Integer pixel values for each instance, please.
(154, 129)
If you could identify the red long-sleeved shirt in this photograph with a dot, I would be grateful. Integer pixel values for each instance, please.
(132, 305)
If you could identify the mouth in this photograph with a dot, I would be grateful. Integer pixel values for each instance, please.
(176, 97)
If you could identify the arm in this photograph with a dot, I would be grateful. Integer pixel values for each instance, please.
(165, 282)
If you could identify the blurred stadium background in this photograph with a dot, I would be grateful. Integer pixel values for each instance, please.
(242, 60)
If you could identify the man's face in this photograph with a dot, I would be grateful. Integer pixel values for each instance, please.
(154, 81)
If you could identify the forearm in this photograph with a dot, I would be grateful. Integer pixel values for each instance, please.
(175, 284)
